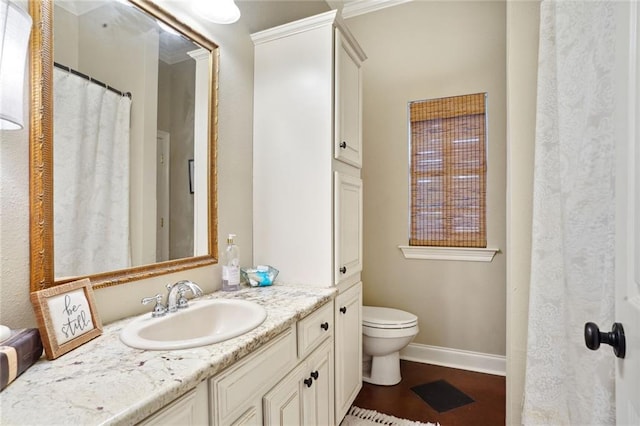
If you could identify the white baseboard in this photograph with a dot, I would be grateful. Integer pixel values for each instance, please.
(456, 358)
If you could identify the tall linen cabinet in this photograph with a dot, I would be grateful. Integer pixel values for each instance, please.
(307, 190)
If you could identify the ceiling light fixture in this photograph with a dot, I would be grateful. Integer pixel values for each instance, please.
(217, 11)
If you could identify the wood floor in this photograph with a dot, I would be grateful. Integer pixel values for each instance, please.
(487, 391)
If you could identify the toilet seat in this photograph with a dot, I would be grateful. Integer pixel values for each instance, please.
(387, 318)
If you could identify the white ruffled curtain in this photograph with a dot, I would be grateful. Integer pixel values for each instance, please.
(91, 177)
(572, 268)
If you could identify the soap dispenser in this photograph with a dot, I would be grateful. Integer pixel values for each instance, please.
(231, 266)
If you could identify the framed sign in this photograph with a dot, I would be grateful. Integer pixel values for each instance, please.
(67, 316)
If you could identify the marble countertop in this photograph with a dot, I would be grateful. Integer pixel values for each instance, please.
(106, 382)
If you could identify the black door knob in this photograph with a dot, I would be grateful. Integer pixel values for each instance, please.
(324, 326)
(315, 375)
(343, 270)
(593, 337)
(343, 309)
(308, 382)
(343, 145)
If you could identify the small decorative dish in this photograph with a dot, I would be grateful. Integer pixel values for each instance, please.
(260, 276)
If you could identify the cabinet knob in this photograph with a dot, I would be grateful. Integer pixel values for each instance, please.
(343, 145)
(308, 382)
(343, 270)
(343, 309)
(324, 326)
(315, 375)
(593, 337)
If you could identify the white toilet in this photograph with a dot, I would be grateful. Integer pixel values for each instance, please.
(385, 331)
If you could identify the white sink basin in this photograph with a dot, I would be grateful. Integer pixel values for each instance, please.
(204, 322)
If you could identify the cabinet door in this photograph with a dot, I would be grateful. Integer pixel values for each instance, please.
(317, 392)
(347, 227)
(189, 410)
(348, 349)
(283, 404)
(250, 418)
(239, 389)
(348, 108)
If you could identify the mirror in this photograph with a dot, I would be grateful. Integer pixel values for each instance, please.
(148, 246)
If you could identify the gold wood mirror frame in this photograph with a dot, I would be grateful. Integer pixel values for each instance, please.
(41, 156)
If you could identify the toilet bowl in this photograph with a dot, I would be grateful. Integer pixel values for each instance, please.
(385, 331)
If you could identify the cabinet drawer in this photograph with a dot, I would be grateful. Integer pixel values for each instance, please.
(235, 388)
(314, 329)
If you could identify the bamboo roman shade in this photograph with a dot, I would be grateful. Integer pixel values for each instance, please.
(448, 172)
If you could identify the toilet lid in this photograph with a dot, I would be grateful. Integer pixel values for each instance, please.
(378, 317)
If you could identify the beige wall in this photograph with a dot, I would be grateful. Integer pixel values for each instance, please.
(65, 43)
(234, 190)
(422, 50)
(522, 52)
(164, 96)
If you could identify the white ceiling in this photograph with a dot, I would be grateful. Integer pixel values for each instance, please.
(257, 15)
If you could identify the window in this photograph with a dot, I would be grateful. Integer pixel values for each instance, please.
(448, 171)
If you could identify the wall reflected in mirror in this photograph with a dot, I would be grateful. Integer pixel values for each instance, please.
(124, 132)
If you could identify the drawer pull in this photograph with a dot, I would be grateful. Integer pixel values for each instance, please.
(315, 374)
(343, 309)
(324, 326)
(308, 382)
(343, 144)
(343, 270)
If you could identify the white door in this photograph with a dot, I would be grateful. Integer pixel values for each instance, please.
(162, 196)
(628, 212)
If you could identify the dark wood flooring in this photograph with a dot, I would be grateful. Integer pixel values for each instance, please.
(487, 391)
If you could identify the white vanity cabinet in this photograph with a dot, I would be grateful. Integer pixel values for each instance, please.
(290, 380)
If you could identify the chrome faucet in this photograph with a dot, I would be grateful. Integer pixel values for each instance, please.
(176, 299)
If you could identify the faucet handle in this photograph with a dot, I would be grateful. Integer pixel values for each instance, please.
(159, 309)
(182, 302)
(185, 286)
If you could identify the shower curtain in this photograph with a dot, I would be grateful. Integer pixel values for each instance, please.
(91, 177)
(572, 265)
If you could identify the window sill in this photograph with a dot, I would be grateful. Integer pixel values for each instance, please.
(449, 253)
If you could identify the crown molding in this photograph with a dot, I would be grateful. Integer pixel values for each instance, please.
(360, 7)
(301, 25)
